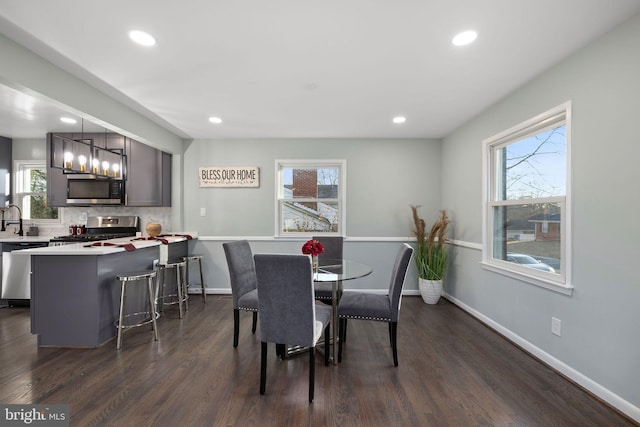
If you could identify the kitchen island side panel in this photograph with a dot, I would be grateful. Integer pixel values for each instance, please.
(62, 299)
(76, 298)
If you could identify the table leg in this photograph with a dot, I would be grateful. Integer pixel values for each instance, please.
(334, 321)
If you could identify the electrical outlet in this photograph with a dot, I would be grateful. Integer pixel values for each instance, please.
(203, 211)
(556, 326)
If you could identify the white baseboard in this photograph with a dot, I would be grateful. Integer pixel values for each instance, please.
(598, 390)
(227, 291)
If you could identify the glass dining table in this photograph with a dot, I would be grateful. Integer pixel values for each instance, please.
(335, 271)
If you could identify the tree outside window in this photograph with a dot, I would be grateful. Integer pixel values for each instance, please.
(31, 191)
(526, 187)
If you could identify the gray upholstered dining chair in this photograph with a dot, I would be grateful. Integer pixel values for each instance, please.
(332, 251)
(377, 307)
(288, 312)
(244, 289)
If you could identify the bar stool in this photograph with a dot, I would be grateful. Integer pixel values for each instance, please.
(150, 316)
(196, 258)
(180, 296)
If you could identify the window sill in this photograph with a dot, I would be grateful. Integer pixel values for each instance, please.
(532, 280)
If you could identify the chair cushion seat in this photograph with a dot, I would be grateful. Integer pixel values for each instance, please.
(323, 318)
(249, 301)
(365, 305)
(324, 290)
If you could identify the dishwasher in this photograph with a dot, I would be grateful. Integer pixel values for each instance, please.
(16, 272)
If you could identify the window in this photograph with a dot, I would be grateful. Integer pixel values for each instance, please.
(527, 207)
(31, 191)
(310, 197)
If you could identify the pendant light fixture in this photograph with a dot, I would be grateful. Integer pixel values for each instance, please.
(82, 156)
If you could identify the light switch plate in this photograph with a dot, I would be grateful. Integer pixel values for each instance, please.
(203, 211)
(556, 326)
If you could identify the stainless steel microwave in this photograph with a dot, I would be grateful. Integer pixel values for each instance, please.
(84, 192)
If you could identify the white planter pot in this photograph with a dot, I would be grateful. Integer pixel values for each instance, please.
(430, 290)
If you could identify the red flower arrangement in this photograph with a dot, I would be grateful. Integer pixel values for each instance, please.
(312, 247)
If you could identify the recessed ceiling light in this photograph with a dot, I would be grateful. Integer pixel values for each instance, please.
(68, 120)
(142, 38)
(215, 120)
(464, 38)
(399, 119)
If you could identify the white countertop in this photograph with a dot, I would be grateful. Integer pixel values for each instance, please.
(81, 249)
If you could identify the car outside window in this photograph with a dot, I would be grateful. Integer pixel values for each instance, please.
(526, 188)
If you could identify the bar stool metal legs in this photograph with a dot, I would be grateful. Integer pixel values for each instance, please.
(181, 296)
(150, 316)
(203, 286)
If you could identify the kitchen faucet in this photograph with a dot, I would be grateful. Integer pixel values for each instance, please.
(7, 222)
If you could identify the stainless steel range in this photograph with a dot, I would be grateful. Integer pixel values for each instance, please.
(102, 228)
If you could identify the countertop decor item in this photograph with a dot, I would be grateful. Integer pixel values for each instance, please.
(153, 228)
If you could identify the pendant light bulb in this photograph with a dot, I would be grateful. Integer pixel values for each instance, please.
(68, 159)
(82, 161)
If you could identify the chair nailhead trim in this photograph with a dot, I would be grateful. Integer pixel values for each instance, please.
(380, 319)
(247, 309)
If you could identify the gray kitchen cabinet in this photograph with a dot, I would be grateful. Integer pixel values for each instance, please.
(56, 180)
(148, 175)
(6, 148)
(166, 179)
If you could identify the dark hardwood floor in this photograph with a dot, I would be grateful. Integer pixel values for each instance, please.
(453, 372)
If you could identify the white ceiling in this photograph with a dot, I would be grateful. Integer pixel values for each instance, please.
(294, 68)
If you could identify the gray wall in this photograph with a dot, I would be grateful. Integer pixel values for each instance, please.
(599, 346)
(383, 176)
(30, 149)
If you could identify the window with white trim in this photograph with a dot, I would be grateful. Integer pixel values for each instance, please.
(526, 189)
(31, 192)
(310, 197)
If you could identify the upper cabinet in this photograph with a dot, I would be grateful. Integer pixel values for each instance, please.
(148, 175)
(56, 180)
(5, 170)
(147, 171)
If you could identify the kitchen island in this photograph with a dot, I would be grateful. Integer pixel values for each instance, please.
(75, 294)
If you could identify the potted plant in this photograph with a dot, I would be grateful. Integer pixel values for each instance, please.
(431, 255)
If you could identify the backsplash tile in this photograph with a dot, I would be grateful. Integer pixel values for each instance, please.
(74, 215)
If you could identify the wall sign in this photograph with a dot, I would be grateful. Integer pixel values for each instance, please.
(234, 176)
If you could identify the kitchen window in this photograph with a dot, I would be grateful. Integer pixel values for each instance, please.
(31, 192)
(310, 197)
(526, 225)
